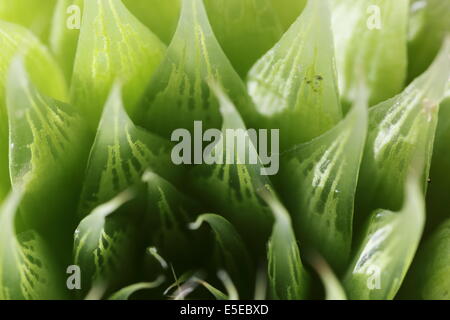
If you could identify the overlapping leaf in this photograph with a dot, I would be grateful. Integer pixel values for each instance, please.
(397, 127)
(113, 44)
(48, 152)
(27, 271)
(179, 93)
(429, 24)
(249, 26)
(120, 155)
(371, 44)
(288, 10)
(14, 40)
(294, 85)
(388, 248)
(318, 182)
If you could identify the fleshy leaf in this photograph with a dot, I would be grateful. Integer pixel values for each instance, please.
(65, 31)
(168, 213)
(14, 40)
(27, 272)
(318, 183)
(287, 276)
(294, 85)
(430, 273)
(218, 295)
(397, 128)
(229, 186)
(48, 151)
(104, 243)
(288, 10)
(125, 293)
(179, 93)
(230, 249)
(332, 285)
(34, 15)
(388, 248)
(429, 24)
(161, 16)
(371, 45)
(249, 26)
(120, 155)
(113, 44)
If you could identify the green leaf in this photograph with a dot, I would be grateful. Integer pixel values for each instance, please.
(48, 151)
(287, 277)
(65, 32)
(113, 45)
(318, 183)
(104, 244)
(120, 155)
(333, 287)
(244, 26)
(231, 189)
(388, 248)
(294, 85)
(218, 295)
(230, 249)
(34, 15)
(125, 293)
(179, 93)
(288, 10)
(371, 46)
(27, 271)
(168, 213)
(15, 39)
(397, 128)
(428, 25)
(160, 16)
(430, 273)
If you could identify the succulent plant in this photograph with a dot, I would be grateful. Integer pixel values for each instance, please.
(93, 206)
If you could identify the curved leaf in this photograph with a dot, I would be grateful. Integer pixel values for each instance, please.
(230, 249)
(48, 151)
(294, 85)
(288, 10)
(65, 32)
(103, 244)
(397, 127)
(120, 155)
(428, 25)
(160, 16)
(113, 44)
(388, 248)
(27, 272)
(14, 40)
(249, 26)
(332, 285)
(125, 293)
(287, 276)
(371, 44)
(179, 93)
(318, 182)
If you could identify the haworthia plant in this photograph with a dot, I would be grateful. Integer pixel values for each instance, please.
(397, 127)
(298, 123)
(179, 93)
(294, 85)
(112, 45)
(388, 247)
(370, 39)
(318, 182)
